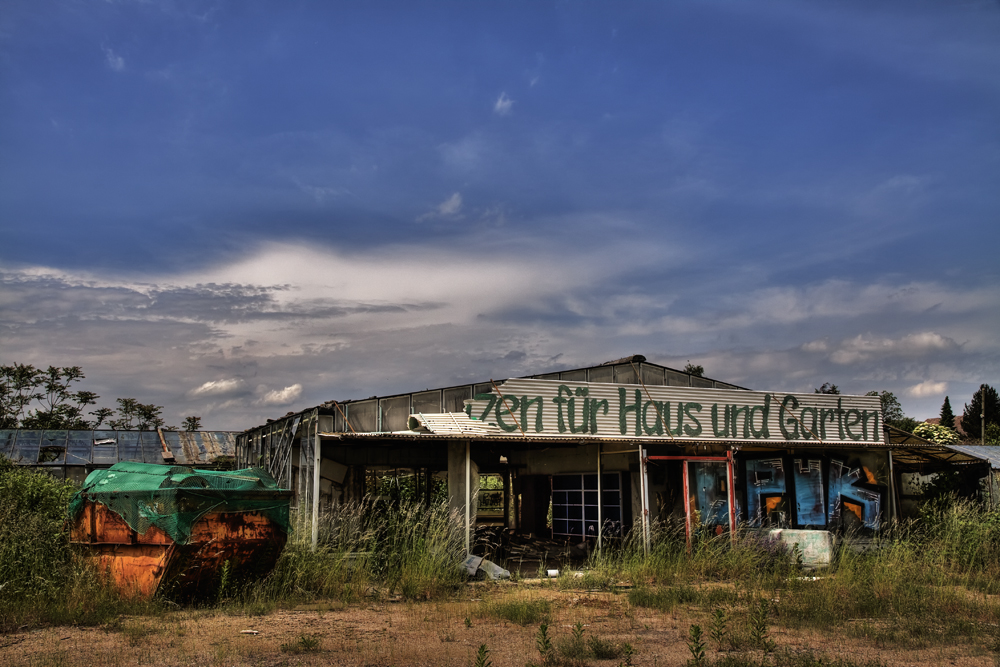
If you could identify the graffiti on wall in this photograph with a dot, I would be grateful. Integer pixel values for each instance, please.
(849, 496)
(766, 492)
(810, 508)
(855, 495)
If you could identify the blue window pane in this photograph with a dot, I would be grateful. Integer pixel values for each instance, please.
(152, 450)
(78, 447)
(52, 448)
(26, 447)
(174, 443)
(128, 446)
(7, 437)
(105, 447)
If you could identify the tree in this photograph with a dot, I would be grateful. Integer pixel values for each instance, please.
(828, 388)
(892, 411)
(19, 384)
(947, 416)
(60, 407)
(135, 415)
(692, 369)
(192, 423)
(985, 399)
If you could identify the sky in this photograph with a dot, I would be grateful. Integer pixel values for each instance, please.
(239, 209)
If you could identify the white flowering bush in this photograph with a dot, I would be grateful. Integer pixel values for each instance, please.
(936, 433)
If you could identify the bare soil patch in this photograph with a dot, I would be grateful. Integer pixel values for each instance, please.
(384, 633)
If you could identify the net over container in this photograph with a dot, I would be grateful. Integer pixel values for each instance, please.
(179, 531)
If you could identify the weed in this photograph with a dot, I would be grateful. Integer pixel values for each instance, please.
(696, 645)
(759, 636)
(468, 622)
(544, 644)
(627, 652)
(663, 599)
(794, 659)
(573, 648)
(718, 630)
(483, 657)
(602, 649)
(304, 644)
(521, 612)
(135, 633)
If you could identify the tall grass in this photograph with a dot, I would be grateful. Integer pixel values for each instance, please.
(751, 556)
(370, 548)
(915, 583)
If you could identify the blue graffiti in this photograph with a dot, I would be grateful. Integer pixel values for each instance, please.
(765, 477)
(809, 501)
(847, 494)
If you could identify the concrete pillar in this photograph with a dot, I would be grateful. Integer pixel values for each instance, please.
(456, 480)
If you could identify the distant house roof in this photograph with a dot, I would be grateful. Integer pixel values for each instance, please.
(105, 448)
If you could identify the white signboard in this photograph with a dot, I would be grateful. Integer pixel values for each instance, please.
(553, 407)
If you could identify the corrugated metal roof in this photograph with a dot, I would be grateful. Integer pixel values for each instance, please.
(983, 452)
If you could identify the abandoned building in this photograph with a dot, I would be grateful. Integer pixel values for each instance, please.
(585, 454)
(73, 455)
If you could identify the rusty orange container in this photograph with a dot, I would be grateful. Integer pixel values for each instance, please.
(177, 531)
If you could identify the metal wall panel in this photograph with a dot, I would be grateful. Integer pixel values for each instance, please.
(602, 374)
(454, 398)
(427, 401)
(362, 416)
(676, 379)
(395, 412)
(651, 375)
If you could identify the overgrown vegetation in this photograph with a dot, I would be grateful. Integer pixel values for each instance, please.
(921, 584)
(41, 581)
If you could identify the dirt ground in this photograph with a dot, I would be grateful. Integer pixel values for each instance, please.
(384, 633)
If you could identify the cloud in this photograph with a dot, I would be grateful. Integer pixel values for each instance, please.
(504, 105)
(449, 208)
(217, 388)
(284, 396)
(928, 388)
(113, 60)
(349, 324)
(864, 347)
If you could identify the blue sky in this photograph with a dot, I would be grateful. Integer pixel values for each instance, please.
(237, 209)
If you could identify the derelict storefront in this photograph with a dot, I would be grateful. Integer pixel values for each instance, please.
(588, 454)
(711, 456)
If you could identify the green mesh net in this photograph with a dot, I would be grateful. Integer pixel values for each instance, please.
(173, 498)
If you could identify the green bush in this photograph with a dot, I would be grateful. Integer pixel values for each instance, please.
(35, 559)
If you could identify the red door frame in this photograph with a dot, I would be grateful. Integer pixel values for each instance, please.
(728, 460)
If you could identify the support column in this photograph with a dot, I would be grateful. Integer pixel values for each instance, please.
(463, 483)
(317, 465)
(600, 501)
(644, 490)
(305, 489)
(893, 505)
